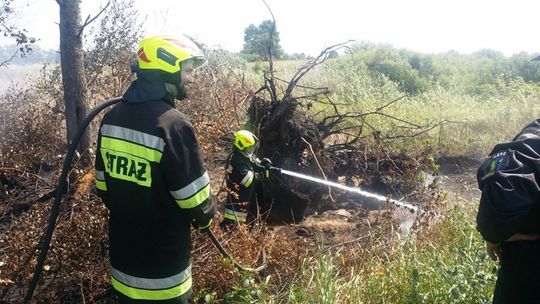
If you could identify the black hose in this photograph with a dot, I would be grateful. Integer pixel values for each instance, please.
(224, 252)
(46, 241)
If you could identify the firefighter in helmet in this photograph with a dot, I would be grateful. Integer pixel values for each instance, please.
(150, 174)
(244, 187)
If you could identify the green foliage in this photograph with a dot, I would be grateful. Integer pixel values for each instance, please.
(248, 291)
(468, 102)
(257, 42)
(447, 266)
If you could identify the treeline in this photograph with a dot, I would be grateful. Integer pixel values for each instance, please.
(36, 55)
(474, 73)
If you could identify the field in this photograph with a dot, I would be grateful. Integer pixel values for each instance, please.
(420, 131)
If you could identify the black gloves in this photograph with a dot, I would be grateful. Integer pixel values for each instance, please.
(266, 163)
(264, 166)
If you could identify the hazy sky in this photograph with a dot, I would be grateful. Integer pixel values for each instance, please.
(308, 26)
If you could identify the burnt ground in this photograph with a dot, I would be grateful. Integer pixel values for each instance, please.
(343, 225)
(349, 221)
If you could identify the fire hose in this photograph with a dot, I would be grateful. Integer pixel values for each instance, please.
(61, 190)
(62, 184)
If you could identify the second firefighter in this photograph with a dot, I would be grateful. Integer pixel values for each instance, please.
(244, 188)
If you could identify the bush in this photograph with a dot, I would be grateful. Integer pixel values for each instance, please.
(31, 134)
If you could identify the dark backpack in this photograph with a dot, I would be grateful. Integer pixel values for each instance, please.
(508, 179)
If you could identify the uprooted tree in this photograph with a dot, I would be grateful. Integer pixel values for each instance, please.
(327, 147)
(327, 144)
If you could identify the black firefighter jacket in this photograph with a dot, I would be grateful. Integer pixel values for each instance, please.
(244, 186)
(150, 174)
(509, 180)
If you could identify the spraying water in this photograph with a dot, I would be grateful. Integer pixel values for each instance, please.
(377, 197)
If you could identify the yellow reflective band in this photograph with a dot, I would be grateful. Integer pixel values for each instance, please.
(101, 185)
(248, 182)
(141, 138)
(148, 294)
(192, 188)
(127, 167)
(131, 148)
(196, 199)
(234, 217)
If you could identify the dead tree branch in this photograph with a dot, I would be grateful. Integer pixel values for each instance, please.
(88, 20)
(332, 124)
(320, 168)
(391, 102)
(269, 75)
(5, 62)
(303, 70)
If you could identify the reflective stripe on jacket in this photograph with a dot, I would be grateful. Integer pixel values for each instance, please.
(240, 176)
(151, 176)
(152, 289)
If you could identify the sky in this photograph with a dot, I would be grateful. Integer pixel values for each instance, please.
(309, 26)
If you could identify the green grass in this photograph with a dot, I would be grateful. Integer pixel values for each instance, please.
(465, 123)
(445, 261)
(449, 265)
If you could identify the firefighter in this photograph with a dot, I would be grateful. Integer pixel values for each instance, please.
(508, 215)
(150, 174)
(244, 188)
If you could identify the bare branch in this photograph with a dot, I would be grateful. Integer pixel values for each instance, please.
(88, 20)
(5, 62)
(394, 118)
(391, 102)
(303, 70)
(269, 77)
(320, 168)
(439, 124)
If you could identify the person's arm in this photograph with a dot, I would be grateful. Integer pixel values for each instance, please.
(243, 172)
(494, 249)
(100, 183)
(187, 179)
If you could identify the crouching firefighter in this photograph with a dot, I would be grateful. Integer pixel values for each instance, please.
(150, 174)
(244, 187)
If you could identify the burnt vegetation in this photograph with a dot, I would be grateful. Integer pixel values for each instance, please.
(300, 127)
(330, 144)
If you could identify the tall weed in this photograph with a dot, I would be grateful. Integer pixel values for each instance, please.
(446, 263)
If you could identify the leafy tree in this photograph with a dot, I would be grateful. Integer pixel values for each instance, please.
(396, 66)
(522, 64)
(23, 41)
(257, 42)
(333, 54)
(110, 50)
